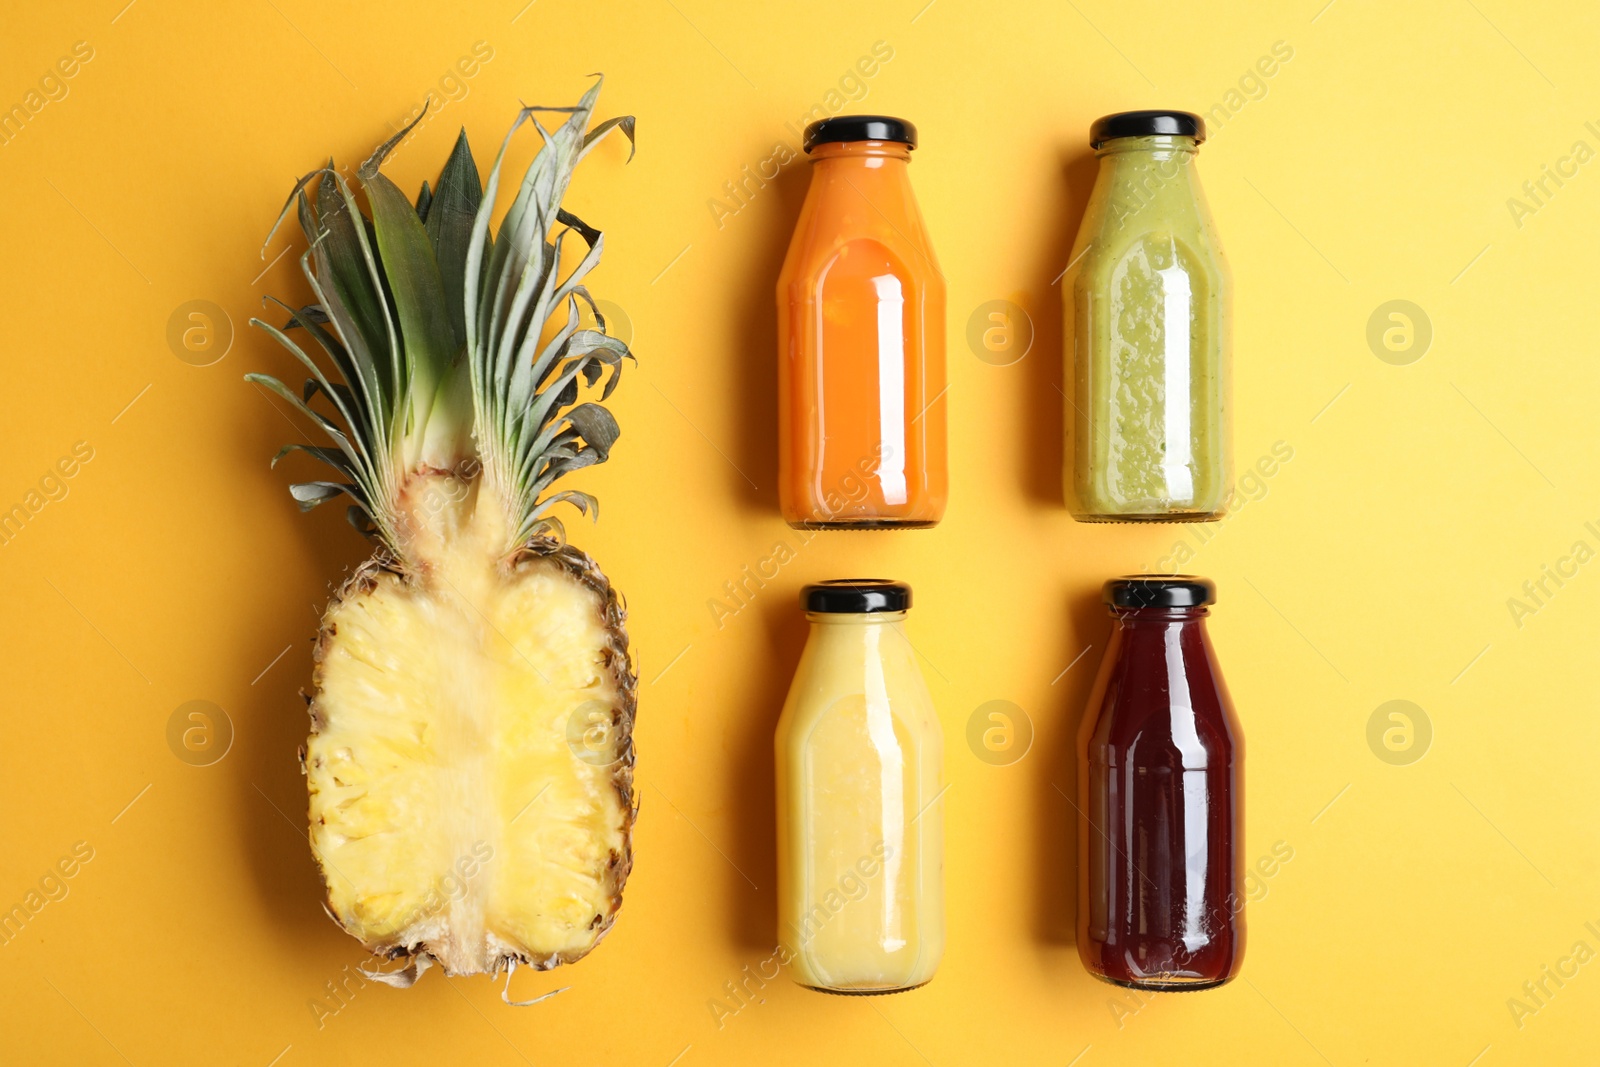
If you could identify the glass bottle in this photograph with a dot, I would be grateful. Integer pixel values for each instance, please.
(1149, 297)
(861, 369)
(859, 762)
(1160, 797)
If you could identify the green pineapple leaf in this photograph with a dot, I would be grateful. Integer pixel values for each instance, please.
(438, 332)
(449, 223)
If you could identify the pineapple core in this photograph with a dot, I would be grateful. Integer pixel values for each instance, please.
(467, 773)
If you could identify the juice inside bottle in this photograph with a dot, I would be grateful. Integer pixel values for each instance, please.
(1148, 293)
(861, 414)
(1160, 798)
(860, 844)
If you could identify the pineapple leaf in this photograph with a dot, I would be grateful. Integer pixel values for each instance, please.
(331, 456)
(482, 253)
(608, 350)
(299, 405)
(546, 360)
(310, 494)
(342, 396)
(439, 427)
(589, 233)
(449, 224)
(311, 313)
(439, 330)
(296, 198)
(548, 525)
(413, 276)
(358, 517)
(368, 376)
(564, 293)
(346, 399)
(560, 392)
(624, 123)
(582, 501)
(565, 462)
(381, 153)
(598, 427)
(527, 221)
(524, 375)
(320, 380)
(347, 274)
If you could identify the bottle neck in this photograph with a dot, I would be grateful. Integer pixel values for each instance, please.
(1147, 182)
(833, 620)
(1141, 166)
(861, 155)
(1142, 617)
(1162, 146)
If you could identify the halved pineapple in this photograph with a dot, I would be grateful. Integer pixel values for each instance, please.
(470, 758)
(469, 787)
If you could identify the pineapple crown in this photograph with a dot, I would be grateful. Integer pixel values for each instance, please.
(447, 343)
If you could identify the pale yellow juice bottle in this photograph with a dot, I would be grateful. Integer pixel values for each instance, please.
(859, 774)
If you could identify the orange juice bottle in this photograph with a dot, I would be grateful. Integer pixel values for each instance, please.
(861, 375)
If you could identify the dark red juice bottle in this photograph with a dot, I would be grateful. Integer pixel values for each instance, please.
(1160, 797)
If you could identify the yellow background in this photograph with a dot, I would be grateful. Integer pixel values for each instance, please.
(1375, 165)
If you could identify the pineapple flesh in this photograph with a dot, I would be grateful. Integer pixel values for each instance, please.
(447, 804)
(470, 757)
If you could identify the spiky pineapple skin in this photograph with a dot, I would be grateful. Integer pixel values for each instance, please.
(427, 935)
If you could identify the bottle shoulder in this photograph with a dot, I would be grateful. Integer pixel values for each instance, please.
(847, 670)
(844, 214)
(1154, 706)
(908, 269)
(1135, 207)
(1129, 252)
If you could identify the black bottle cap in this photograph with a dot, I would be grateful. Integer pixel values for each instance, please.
(1159, 591)
(856, 596)
(1147, 124)
(860, 128)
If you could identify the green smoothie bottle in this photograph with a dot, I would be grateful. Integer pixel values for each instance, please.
(1148, 294)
